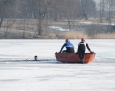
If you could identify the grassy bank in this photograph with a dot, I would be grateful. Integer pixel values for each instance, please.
(78, 34)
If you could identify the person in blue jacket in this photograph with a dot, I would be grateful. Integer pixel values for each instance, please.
(81, 49)
(69, 47)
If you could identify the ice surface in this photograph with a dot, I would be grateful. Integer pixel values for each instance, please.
(19, 73)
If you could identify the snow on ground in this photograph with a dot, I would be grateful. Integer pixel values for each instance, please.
(17, 73)
(58, 28)
(81, 22)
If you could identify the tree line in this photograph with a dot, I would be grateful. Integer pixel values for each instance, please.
(53, 10)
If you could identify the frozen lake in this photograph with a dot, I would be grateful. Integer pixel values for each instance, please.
(19, 74)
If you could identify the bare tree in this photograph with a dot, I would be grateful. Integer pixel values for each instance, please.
(3, 7)
(41, 7)
(102, 9)
(42, 11)
(110, 8)
(87, 7)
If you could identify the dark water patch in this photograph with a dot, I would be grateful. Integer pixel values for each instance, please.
(52, 61)
(41, 61)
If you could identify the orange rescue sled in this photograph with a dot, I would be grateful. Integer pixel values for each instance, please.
(73, 57)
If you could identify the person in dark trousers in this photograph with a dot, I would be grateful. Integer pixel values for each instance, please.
(69, 47)
(81, 49)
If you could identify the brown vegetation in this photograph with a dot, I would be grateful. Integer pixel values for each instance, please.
(72, 34)
(105, 36)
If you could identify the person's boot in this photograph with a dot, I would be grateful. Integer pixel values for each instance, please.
(82, 61)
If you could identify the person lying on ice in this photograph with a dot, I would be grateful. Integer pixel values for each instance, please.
(69, 47)
(81, 49)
